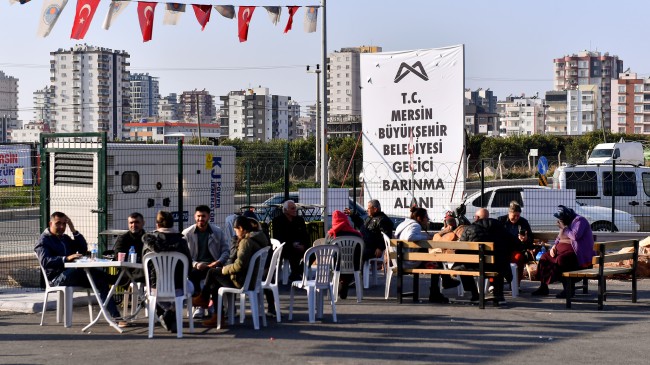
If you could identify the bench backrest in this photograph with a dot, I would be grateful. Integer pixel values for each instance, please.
(470, 251)
(612, 251)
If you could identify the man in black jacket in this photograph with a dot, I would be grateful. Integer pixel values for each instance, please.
(374, 225)
(486, 229)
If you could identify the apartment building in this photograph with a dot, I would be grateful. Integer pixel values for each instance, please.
(344, 90)
(257, 115)
(170, 132)
(145, 96)
(42, 104)
(521, 116)
(168, 108)
(91, 90)
(481, 115)
(197, 104)
(589, 68)
(8, 106)
(631, 104)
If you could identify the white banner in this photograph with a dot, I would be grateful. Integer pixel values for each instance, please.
(412, 110)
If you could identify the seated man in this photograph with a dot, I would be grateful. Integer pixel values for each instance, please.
(55, 248)
(289, 227)
(132, 238)
(372, 227)
(519, 228)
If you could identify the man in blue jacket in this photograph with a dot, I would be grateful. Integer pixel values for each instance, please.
(55, 248)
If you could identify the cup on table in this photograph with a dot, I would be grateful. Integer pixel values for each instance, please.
(121, 256)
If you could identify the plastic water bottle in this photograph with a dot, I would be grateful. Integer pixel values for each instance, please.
(540, 253)
(133, 257)
(93, 252)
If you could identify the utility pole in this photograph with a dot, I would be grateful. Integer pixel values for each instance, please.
(318, 129)
(323, 147)
(198, 113)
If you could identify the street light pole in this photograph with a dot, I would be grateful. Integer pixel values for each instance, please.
(318, 129)
(323, 146)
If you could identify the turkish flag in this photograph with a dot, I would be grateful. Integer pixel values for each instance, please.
(83, 17)
(244, 18)
(292, 10)
(202, 13)
(145, 16)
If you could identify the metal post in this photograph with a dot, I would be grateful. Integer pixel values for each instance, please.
(318, 129)
(613, 192)
(323, 146)
(180, 184)
(354, 186)
(198, 113)
(248, 183)
(483, 184)
(286, 171)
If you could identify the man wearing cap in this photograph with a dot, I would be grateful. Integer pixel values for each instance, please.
(573, 249)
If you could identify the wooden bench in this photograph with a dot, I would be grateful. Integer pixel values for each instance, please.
(481, 255)
(606, 252)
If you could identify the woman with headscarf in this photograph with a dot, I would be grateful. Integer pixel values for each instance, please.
(341, 227)
(573, 249)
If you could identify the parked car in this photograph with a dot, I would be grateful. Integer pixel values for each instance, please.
(272, 208)
(538, 208)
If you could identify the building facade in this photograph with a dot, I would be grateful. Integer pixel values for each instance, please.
(521, 116)
(589, 68)
(42, 104)
(168, 108)
(91, 90)
(631, 104)
(344, 90)
(144, 97)
(30, 132)
(257, 115)
(196, 105)
(556, 112)
(481, 115)
(169, 132)
(8, 106)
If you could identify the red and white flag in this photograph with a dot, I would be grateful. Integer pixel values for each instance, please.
(145, 16)
(292, 11)
(244, 18)
(84, 15)
(202, 13)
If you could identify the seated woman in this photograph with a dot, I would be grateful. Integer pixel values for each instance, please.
(573, 249)
(519, 228)
(233, 274)
(341, 227)
(411, 230)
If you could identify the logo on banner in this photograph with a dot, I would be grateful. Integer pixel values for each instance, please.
(419, 72)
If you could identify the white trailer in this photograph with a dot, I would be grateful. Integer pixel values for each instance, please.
(138, 178)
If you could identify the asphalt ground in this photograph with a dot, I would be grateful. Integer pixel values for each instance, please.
(524, 331)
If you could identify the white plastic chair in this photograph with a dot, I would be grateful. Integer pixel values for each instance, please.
(326, 259)
(284, 266)
(271, 280)
(66, 296)
(391, 265)
(164, 264)
(348, 245)
(256, 263)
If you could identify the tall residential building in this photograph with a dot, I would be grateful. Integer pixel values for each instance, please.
(169, 132)
(481, 112)
(589, 68)
(168, 108)
(197, 104)
(257, 115)
(521, 116)
(573, 112)
(8, 106)
(631, 104)
(144, 97)
(344, 90)
(43, 104)
(91, 90)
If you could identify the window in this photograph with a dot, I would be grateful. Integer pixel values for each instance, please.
(638, 98)
(621, 108)
(486, 199)
(621, 99)
(638, 88)
(584, 182)
(621, 120)
(625, 183)
(130, 182)
(645, 177)
(638, 119)
(621, 88)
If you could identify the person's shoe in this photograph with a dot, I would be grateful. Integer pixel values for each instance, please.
(161, 319)
(498, 298)
(170, 320)
(438, 298)
(124, 324)
(199, 301)
(199, 313)
(543, 290)
(474, 299)
(212, 322)
(449, 283)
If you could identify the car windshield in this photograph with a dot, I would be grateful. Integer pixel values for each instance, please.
(602, 153)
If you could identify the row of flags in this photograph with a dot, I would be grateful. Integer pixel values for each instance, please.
(86, 9)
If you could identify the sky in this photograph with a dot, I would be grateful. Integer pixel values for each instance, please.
(509, 45)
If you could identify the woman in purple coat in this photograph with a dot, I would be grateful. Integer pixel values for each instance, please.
(573, 249)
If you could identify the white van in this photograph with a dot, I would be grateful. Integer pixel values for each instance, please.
(593, 185)
(625, 152)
